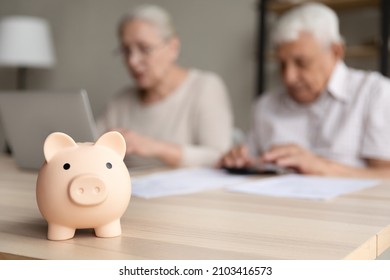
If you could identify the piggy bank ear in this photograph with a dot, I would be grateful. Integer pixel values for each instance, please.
(56, 142)
(113, 140)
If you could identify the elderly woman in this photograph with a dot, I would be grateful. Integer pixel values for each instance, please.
(174, 116)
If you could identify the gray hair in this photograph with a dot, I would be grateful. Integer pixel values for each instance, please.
(152, 14)
(314, 18)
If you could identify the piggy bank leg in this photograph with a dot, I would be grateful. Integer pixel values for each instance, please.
(109, 230)
(58, 232)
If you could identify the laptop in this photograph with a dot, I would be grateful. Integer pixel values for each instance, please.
(29, 117)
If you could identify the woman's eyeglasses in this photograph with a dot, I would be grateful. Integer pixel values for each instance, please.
(142, 51)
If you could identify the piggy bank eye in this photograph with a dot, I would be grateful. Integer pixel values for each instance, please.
(109, 165)
(66, 166)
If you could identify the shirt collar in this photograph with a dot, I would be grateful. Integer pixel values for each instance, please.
(337, 83)
(336, 87)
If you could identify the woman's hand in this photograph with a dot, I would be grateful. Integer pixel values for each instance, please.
(139, 144)
(142, 145)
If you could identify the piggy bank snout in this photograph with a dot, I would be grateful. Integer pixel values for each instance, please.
(87, 190)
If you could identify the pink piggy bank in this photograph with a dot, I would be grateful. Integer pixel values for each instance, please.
(83, 185)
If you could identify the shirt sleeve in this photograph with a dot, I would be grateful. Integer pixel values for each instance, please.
(114, 114)
(213, 124)
(376, 141)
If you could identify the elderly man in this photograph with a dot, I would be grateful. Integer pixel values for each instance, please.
(328, 119)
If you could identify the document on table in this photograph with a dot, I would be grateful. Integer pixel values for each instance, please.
(182, 181)
(300, 186)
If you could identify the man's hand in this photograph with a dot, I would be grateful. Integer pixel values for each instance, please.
(237, 157)
(296, 157)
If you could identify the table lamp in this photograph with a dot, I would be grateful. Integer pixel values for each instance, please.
(25, 42)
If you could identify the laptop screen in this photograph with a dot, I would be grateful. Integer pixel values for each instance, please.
(29, 117)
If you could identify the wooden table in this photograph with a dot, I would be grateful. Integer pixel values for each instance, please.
(207, 225)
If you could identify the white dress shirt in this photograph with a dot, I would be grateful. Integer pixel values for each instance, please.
(349, 122)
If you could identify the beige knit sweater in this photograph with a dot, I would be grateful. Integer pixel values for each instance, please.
(197, 116)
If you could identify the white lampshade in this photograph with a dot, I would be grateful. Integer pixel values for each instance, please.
(25, 42)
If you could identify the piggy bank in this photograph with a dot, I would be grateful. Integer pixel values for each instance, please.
(83, 185)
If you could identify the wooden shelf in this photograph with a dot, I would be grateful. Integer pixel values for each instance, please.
(280, 7)
(361, 51)
(350, 52)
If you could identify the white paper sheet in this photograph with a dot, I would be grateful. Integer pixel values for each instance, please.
(307, 187)
(182, 181)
